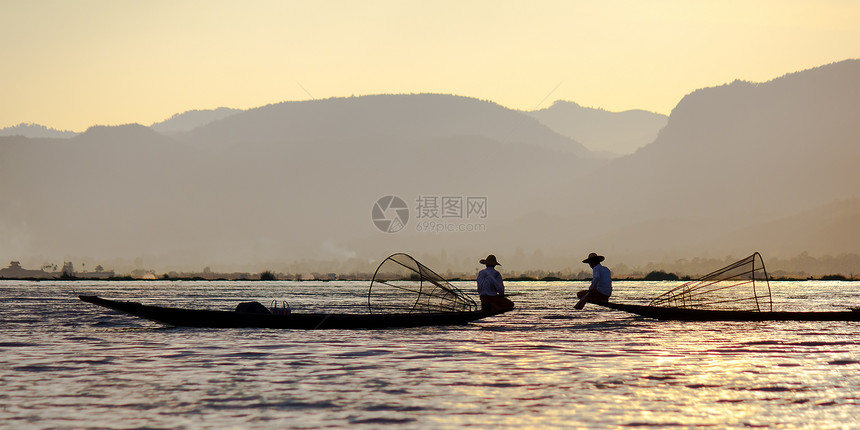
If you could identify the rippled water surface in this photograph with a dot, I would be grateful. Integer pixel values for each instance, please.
(69, 364)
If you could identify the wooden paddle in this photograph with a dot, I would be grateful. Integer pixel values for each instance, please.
(581, 303)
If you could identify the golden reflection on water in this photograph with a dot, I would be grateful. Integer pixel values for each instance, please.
(589, 369)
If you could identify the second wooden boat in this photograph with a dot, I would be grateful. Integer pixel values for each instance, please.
(737, 292)
(682, 314)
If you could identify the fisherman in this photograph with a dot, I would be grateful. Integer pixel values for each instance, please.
(601, 282)
(491, 289)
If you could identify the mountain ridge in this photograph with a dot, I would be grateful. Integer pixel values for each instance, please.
(36, 131)
(298, 180)
(734, 155)
(191, 119)
(619, 133)
(420, 116)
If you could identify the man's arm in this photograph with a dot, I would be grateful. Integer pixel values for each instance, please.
(596, 277)
(595, 280)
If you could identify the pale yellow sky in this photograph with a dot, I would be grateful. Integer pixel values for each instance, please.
(72, 64)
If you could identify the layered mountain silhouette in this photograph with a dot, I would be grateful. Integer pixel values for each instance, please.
(416, 118)
(192, 119)
(732, 156)
(737, 168)
(35, 130)
(284, 182)
(613, 133)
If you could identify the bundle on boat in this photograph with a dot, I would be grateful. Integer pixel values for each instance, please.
(403, 293)
(738, 292)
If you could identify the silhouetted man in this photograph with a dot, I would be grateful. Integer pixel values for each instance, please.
(601, 282)
(491, 288)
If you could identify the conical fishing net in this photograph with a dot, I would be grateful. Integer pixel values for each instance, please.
(403, 285)
(740, 286)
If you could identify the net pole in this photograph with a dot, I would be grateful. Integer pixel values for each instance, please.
(420, 292)
(757, 306)
(766, 281)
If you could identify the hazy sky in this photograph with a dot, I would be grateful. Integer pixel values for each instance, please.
(72, 64)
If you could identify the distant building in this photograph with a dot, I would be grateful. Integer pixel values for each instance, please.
(100, 273)
(143, 274)
(15, 271)
(68, 271)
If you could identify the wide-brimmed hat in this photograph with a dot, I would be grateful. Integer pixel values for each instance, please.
(594, 257)
(490, 261)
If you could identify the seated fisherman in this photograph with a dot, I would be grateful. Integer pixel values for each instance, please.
(601, 283)
(491, 289)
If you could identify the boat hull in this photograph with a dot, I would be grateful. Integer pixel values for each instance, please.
(680, 314)
(230, 319)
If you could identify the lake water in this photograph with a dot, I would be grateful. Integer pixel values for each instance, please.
(68, 364)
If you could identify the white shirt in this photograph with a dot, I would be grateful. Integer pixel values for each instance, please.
(602, 281)
(490, 282)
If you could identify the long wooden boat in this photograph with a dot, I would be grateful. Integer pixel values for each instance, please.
(684, 314)
(231, 319)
